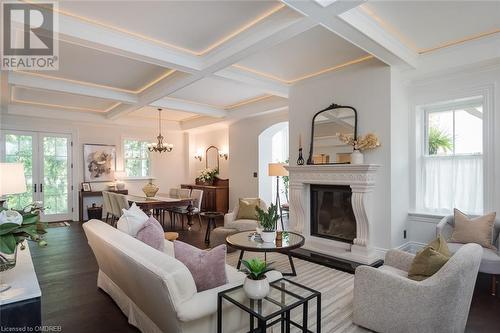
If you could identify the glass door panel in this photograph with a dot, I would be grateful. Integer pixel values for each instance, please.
(55, 184)
(19, 149)
(47, 166)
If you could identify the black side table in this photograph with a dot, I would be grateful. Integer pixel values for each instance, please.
(211, 216)
(284, 296)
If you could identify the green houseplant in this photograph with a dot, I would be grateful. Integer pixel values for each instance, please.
(256, 284)
(268, 222)
(15, 227)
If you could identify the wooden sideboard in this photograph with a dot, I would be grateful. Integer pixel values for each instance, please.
(84, 194)
(215, 197)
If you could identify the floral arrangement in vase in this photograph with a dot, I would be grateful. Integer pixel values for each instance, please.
(256, 284)
(207, 176)
(361, 143)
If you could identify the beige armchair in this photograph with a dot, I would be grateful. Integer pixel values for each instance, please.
(386, 300)
(231, 221)
(490, 261)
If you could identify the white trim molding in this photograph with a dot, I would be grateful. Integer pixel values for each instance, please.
(361, 179)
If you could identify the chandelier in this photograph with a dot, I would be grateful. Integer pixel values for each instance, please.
(160, 147)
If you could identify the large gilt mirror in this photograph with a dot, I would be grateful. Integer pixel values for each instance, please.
(326, 148)
(212, 157)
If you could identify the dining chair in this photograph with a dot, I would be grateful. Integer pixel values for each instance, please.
(115, 206)
(122, 202)
(106, 205)
(174, 212)
(197, 196)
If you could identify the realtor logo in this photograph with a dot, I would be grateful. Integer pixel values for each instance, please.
(29, 40)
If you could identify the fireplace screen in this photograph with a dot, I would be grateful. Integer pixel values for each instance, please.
(331, 213)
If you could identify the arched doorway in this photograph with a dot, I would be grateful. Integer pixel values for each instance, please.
(273, 148)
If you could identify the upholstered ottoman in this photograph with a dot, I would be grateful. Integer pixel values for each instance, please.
(218, 237)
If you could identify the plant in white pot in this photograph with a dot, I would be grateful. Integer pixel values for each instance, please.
(268, 222)
(256, 284)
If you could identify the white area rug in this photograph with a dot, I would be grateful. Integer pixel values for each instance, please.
(335, 287)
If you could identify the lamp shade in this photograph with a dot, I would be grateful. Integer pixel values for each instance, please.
(12, 180)
(277, 169)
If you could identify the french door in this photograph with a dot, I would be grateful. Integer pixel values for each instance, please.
(47, 166)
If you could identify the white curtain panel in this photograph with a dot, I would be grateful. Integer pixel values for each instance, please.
(453, 182)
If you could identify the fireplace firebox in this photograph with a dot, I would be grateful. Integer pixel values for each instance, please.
(331, 213)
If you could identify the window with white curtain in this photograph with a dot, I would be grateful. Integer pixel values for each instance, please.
(136, 158)
(452, 161)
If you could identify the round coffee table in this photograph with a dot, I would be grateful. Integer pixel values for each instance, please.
(243, 241)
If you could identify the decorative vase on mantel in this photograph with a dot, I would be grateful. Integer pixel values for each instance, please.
(357, 157)
(150, 189)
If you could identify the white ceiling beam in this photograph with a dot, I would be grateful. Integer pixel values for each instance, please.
(258, 108)
(77, 31)
(182, 105)
(231, 54)
(358, 28)
(60, 85)
(254, 80)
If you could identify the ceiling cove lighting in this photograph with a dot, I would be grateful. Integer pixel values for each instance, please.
(159, 146)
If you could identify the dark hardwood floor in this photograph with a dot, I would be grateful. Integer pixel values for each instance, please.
(67, 273)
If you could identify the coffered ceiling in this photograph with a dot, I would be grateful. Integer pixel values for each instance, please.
(229, 59)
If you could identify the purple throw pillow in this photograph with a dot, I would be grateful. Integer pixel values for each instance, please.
(152, 234)
(208, 268)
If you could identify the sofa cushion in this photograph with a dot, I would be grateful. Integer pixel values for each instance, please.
(490, 260)
(152, 234)
(208, 268)
(241, 225)
(477, 230)
(246, 209)
(426, 263)
(132, 220)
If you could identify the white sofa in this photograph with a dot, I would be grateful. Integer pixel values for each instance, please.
(230, 221)
(156, 291)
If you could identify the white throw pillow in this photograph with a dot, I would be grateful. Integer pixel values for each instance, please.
(132, 220)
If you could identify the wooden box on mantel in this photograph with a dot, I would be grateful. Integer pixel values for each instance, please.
(215, 197)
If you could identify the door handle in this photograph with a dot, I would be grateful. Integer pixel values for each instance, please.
(34, 188)
(41, 187)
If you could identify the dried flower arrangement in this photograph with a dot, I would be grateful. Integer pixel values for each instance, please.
(367, 142)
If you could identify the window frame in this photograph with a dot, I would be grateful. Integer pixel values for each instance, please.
(149, 159)
(433, 99)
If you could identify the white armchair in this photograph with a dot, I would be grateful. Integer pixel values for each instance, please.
(386, 300)
(490, 261)
(231, 221)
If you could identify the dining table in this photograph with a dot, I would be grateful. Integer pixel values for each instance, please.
(150, 204)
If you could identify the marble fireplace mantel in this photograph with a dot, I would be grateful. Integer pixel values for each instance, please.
(361, 178)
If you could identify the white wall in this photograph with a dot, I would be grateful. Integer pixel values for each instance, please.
(367, 87)
(169, 169)
(244, 154)
(400, 169)
(202, 140)
(481, 79)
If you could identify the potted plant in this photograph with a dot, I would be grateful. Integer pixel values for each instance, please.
(268, 222)
(207, 176)
(256, 284)
(15, 227)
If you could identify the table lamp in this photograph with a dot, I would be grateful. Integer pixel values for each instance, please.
(278, 170)
(12, 180)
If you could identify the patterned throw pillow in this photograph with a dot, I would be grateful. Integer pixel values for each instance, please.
(208, 268)
(246, 210)
(152, 234)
